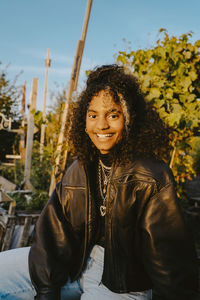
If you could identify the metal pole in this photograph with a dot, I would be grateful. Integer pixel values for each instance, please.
(71, 89)
(47, 64)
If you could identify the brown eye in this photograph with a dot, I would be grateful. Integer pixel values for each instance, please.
(113, 116)
(92, 116)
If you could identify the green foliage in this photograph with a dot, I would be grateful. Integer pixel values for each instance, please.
(41, 170)
(29, 203)
(20, 199)
(195, 153)
(9, 106)
(170, 78)
(9, 141)
(54, 124)
(13, 174)
(37, 201)
(9, 96)
(40, 179)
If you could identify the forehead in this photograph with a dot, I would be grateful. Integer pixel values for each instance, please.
(103, 100)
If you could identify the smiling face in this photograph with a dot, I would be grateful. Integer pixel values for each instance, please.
(104, 121)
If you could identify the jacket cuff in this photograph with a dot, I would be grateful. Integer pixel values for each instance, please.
(54, 295)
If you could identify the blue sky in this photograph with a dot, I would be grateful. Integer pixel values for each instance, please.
(29, 27)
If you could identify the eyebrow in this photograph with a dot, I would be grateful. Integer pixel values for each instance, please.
(109, 111)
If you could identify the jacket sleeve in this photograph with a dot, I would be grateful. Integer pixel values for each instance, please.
(168, 251)
(51, 252)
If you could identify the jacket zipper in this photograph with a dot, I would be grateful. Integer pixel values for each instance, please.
(110, 230)
(74, 187)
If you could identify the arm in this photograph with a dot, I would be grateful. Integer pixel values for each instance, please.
(51, 252)
(168, 252)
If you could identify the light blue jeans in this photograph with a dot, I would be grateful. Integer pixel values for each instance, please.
(15, 283)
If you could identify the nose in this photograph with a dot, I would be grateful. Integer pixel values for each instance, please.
(102, 123)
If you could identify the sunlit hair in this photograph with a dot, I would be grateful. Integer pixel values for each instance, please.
(144, 132)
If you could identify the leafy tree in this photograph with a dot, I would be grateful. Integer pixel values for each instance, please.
(170, 78)
(41, 170)
(53, 124)
(9, 106)
(9, 96)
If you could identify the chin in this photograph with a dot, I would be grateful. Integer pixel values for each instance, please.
(104, 151)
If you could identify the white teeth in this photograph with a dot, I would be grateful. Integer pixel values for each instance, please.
(104, 135)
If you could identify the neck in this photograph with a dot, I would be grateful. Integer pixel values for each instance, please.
(107, 158)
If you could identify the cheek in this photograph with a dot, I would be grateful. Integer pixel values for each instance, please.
(89, 128)
(120, 134)
(120, 128)
(88, 125)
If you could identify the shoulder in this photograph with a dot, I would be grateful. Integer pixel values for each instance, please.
(156, 168)
(150, 169)
(75, 174)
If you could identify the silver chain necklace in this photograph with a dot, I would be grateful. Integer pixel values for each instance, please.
(104, 176)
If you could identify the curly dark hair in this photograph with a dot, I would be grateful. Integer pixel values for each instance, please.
(145, 134)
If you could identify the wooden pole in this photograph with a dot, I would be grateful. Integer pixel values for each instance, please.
(30, 133)
(22, 132)
(47, 64)
(72, 87)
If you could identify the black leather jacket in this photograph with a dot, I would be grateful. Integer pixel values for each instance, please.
(147, 244)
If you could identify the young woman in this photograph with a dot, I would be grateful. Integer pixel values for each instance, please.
(112, 228)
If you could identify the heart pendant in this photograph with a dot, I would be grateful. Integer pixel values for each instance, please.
(103, 210)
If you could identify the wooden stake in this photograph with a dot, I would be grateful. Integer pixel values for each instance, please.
(22, 132)
(30, 133)
(72, 87)
(47, 64)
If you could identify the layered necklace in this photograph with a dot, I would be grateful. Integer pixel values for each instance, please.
(104, 173)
